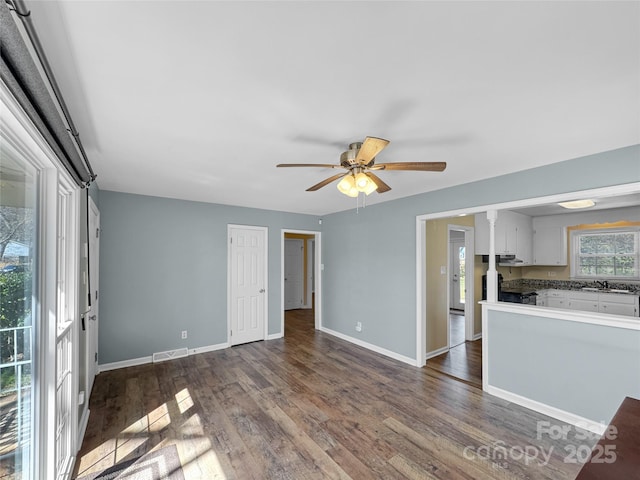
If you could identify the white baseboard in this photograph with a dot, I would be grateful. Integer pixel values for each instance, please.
(82, 428)
(562, 415)
(477, 336)
(209, 348)
(143, 360)
(369, 346)
(435, 353)
(105, 367)
(275, 336)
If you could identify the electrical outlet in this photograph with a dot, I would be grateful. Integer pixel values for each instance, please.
(358, 326)
(184, 334)
(552, 274)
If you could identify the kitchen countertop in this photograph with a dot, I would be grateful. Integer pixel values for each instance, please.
(603, 290)
(534, 285)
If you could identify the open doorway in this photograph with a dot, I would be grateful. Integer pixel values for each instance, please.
(450, 298)
(457, 287)
(460, 284)
(300, 280)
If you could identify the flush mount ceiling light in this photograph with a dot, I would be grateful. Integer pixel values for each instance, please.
(575, 204)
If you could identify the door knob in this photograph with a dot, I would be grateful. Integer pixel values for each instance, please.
(262, 290)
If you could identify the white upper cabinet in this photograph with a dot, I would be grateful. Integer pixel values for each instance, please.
(550, 246)
(513, 233)
(524, 239)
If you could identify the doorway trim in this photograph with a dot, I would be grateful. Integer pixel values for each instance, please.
(265, 230)
(469, 245)
(317, 313)
(92, 317)
(310, 245)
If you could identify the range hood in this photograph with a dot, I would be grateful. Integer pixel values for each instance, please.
(508, 261)
(505, 260)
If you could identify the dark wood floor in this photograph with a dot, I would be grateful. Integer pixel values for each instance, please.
(311, 406)
(456, 328)
(463, 362)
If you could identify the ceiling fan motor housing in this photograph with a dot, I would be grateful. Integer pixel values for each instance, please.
(348, 158)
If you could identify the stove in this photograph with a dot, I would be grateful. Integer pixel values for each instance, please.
(525, 296)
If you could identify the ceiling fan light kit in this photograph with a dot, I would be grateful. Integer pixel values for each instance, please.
(359, 161)
(348, 186)
(351, 185)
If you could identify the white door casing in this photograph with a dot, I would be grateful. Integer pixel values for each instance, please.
(455, 279)
(468, 242)
(316, 276)
(93, 314)
(293, 273)
(311, 255)
(247, 266)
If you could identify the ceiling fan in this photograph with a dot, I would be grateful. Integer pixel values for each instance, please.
(359, 163)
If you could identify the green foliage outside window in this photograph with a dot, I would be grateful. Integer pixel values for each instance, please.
(610, 254)
(15, 311)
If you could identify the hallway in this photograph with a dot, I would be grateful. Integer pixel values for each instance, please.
(464, 359)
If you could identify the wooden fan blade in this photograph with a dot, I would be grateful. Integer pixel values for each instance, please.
(416, 166)
(318, 186)
(370, 148)
(382, 187)
(319, 165)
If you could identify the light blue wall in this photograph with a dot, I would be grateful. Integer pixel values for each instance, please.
(163, 269)
(164, 262)
(576, 367)
(369, 257)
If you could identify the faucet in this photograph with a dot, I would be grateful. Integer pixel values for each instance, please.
(603, 284)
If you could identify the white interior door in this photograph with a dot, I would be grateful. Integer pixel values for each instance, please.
(457, 277)
(311, 255)
(247, 284)
(293, 273)
(94, 277)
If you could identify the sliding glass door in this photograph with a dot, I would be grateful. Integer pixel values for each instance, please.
(39, 252)
(18, 314)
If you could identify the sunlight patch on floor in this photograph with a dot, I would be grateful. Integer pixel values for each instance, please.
(185, 402)
(197, 457)
(159, 419)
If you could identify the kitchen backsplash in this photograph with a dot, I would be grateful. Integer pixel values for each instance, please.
(568, 284)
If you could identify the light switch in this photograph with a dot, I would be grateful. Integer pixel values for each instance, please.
(443, 270)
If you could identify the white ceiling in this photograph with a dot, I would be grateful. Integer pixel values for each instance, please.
(200, 100)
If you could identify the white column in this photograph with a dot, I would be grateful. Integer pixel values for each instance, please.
(492, 274)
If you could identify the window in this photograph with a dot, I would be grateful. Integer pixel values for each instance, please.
(606, 254)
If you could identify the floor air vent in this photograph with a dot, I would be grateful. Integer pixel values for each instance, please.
(170, 355)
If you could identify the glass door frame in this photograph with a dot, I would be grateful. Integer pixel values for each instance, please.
(19, 134)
